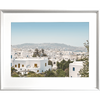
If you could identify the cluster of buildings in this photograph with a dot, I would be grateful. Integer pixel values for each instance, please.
(22, 60)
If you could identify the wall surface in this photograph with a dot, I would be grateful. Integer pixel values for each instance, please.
(77, 66)
(40, 65)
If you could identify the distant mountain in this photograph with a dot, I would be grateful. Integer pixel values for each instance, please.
(50, 46)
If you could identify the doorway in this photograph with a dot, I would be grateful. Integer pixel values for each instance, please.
(18, 65)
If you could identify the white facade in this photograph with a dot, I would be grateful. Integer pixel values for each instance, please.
(74, 68)
(37, 65)
(54, 63)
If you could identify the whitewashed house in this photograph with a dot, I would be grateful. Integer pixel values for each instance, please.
(37, 65)
(54, 62)
(74, 68)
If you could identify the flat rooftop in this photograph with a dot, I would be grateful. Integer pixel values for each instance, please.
(34, 58)
(77, 62)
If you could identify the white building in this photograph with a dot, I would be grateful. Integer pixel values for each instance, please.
(54, 62)
(37, 65)
(74, 68)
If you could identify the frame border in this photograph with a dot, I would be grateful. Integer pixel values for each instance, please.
(53, 9)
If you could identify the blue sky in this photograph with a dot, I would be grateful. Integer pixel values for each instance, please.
(70, 33)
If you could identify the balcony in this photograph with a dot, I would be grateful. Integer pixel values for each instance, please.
(35, 67)
(30, 67)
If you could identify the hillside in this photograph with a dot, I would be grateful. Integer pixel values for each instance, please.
(50, 46)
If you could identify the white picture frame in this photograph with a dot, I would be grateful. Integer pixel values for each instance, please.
(40, 12)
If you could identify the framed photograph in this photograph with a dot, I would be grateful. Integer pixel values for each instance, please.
(49, 50)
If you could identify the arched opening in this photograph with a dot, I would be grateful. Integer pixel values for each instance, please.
(18, 65)
(73, 68)
(35, 65)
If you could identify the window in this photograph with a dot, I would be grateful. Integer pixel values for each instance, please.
(45, 64)
(73, 68)
(18, 65)
(22, 65)
(15, 65)
(11, 56)
(35, 65)
(37, 70)
(11, 64)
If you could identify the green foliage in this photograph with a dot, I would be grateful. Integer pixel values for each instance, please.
(34, 55)
(67, 72)
(13, 69)
(44, 54)
(33, 74)
(42, 51)
(57, 73)
(87, 45)
(15, 75)
(39, 53)
(60, 73)
(50, 74)
(85, 71)
(84, 59)
(63, 64)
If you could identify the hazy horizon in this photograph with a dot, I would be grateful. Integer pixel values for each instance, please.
(49, 43)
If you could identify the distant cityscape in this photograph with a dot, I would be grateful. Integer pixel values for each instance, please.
(49, 49)
(23, 59)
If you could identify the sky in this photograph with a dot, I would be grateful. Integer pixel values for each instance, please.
(70, 33)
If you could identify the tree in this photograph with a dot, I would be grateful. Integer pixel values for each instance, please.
(63, 64)
(14, 73)
(84, 72)
(87, 45)
(60, 73)
(44, 54)
(36, 53)
(82, 59)
(50, 74)
(33, 74)
(42, 51)
(13, 70)
(67, 72)
(58, 65)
